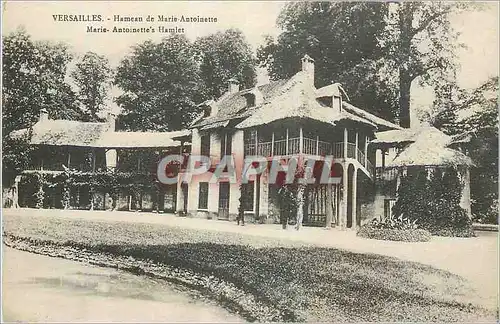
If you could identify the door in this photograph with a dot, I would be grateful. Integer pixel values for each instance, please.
(223, 200)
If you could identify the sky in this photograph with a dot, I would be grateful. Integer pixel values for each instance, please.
(479, 30)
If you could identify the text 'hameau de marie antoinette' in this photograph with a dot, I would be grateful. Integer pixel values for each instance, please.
(120, 20)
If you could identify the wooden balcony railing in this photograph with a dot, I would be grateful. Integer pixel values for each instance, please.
(310, 147)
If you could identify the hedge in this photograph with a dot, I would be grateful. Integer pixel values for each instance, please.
(389, 234)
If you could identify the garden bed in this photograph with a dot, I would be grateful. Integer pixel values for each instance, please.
(392, 234)
(263, 279)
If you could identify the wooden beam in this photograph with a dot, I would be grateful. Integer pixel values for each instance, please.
(366, 150)
(356, 146)
(317, 145)
(301, 140)
(286, 143)
(272, 143)
(346, 135)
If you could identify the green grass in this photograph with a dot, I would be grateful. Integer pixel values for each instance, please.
(305, 283)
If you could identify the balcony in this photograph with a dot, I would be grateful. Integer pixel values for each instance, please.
(310, 146)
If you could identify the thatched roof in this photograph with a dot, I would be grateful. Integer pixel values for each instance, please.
(408, 135)
(295, 97)
(428, 148)
(86, 134)
(380, 122)
(140, 139)
(63, 133)
(234, 106)
(464, 137)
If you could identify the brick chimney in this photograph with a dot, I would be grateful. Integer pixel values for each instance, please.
(308, 66)
(44, 115)
(234, 85)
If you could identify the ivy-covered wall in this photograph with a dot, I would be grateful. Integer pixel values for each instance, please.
(101, 190)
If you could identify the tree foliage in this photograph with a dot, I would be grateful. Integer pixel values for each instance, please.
(161, 85)
(33, 79)
(342, 37)
(433, 202)
(421, 45)
(225, 55)
(93, 76)
(474, 112)
(483, 123)
(376, 50)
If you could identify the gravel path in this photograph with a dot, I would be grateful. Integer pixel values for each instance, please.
(37, 288)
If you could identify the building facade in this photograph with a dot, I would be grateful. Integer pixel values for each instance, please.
(278, 121)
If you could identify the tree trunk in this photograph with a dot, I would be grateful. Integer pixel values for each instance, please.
(329, 206)
(405, 18)
(300, 205)
(404, 98)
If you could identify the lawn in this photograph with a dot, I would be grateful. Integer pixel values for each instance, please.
(300, 282)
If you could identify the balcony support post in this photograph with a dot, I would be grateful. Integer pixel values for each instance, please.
(356, 146)
(256, 143)
(301, 140)
(345, 142)
(317, 145)
(286, 146)
(272, 143)
(366, 151)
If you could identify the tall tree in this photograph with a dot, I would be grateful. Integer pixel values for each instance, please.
(92, 76)
(421, 45)
(33, 78)
(343, 38)
(161, 85)
(225, 55)
(474, 112)
(483, 123)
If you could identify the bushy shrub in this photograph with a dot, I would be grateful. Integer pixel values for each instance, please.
(394, 223)
(395, 230)
(433, 202)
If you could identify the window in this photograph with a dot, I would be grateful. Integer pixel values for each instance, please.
(247, 195)
(225, 144)
(203, 196)
(205, 145)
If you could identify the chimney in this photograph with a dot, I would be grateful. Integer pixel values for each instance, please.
(234, 85)
(308, 66)
(44, 115)
(111, 121)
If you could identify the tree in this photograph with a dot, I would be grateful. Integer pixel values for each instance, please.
(225, 55)
(161, 85)
(483, 149)
(92, 76)
(421, 44)
(33, 78)
(343, 38)
(376, 50)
